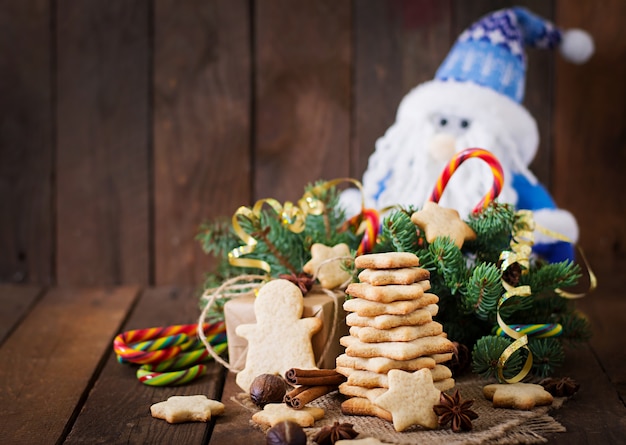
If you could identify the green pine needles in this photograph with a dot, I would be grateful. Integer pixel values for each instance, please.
(284, 250)
(468, 282)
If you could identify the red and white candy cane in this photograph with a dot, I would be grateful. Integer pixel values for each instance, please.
(371, 219)
(457, 160)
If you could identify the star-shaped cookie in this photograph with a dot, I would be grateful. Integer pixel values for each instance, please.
(330, 274)
(179, 409)
(274, 413)
(410, 399)
(439, 221)
(523, 396)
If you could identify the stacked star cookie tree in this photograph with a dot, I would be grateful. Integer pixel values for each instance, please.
(391, 328)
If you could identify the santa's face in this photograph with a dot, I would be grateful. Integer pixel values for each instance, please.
(412, 154)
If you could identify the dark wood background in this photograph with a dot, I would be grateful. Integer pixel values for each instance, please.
(126, 123)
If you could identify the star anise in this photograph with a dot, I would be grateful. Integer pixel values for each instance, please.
(331, 434)
(454, 408)
(560, 387)
(302, 280)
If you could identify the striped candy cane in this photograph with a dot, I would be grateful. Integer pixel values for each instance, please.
(457, 160)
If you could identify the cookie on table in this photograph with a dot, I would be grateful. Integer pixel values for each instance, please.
(178, 409)
(523, 396)
(274, 413)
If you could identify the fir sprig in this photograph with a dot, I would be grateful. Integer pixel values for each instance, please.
(449, 263)
(493, 226)
(487, 352)
(484, 289)
(398, 232)
(548, 277)
(547, 354)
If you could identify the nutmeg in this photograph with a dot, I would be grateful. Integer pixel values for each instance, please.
(267, 388)
(286, 432)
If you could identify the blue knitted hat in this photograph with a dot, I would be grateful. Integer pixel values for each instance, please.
(491, 51)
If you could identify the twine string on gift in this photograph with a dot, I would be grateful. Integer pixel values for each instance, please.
(232, 288)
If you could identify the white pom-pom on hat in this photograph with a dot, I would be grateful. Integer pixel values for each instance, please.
(576, 45)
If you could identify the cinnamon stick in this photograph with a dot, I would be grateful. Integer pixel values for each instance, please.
(302, 395)
(294, 393)
(314, 377)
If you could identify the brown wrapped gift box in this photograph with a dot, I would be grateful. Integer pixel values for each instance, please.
(316, 304)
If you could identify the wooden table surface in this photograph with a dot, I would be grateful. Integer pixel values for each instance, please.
(61, 383)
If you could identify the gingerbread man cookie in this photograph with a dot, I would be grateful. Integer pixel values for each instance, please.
(280, 339)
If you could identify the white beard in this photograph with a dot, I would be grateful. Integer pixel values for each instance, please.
(401, 160)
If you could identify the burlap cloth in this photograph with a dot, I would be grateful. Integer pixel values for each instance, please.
(493, 426)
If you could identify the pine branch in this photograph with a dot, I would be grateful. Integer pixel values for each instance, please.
(548, 277)
(484, 289)
(576, 327)
(262, 235)
(398, 231)
(449, 262)
(486, 353)
(547, 353)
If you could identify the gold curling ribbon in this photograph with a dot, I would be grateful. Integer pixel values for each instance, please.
(520, 343)
(593, 281)
(290, 215)
(521, 246)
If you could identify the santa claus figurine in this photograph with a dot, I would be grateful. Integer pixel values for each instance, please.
(475, 102)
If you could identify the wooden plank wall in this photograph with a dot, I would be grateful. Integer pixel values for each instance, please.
(124, 124)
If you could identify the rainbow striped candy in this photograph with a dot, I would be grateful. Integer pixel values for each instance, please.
(535, 330)
(152, 345)
(457, 160)
(179, 370)
(170, 355)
